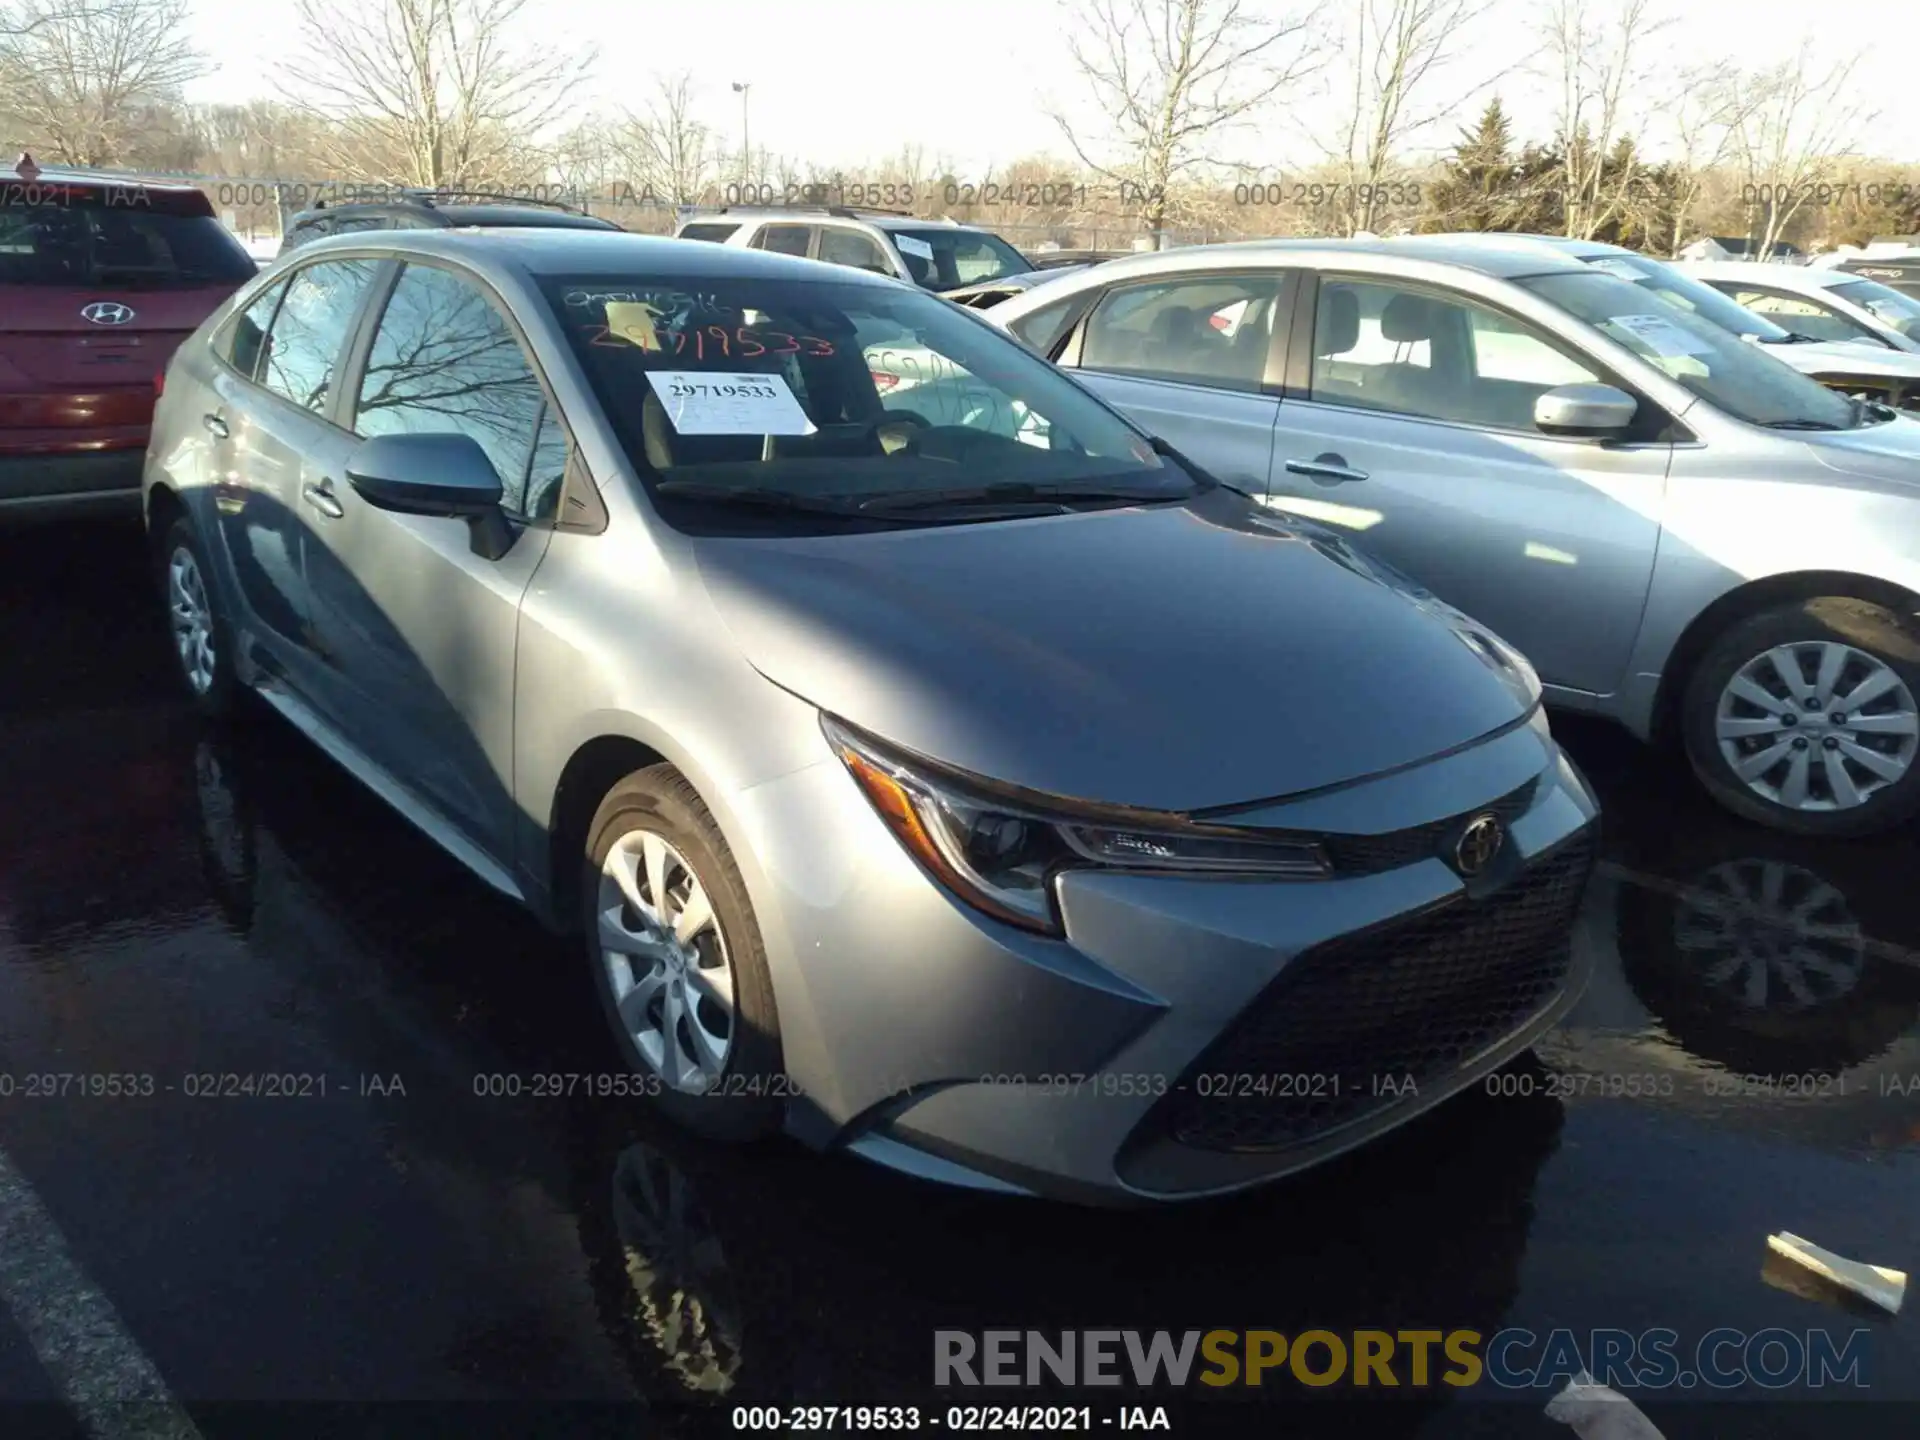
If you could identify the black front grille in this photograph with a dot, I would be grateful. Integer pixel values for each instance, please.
(1341, 1032)
(1369, 854)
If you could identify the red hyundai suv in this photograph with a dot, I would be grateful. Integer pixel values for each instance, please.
(100, 278)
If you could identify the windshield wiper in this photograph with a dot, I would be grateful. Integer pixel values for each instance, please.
(759, 497)
(1800, 425)
(1016, 492)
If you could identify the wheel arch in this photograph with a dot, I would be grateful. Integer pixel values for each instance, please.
(593, 769)
(1750, 599)
(163, 507)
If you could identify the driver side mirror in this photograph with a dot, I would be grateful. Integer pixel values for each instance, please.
(1597, 411)
(444, 475)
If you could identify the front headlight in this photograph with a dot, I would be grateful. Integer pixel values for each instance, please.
(999, 853)
(1502, 658)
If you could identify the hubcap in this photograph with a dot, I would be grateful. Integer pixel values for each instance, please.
(1866, 718)
(192, 620)
(1769, 935)
(666, 961)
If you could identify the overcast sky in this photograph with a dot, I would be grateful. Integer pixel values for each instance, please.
(838, 82)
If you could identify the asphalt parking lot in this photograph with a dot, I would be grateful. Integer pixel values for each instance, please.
(377, 1258)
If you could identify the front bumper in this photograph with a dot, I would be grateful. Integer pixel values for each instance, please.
(1190, 1036)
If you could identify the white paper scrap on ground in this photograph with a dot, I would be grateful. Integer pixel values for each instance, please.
(1598, 1412)
(910, 246)
(1661, 335)
(717, 402)
(1885, 1288)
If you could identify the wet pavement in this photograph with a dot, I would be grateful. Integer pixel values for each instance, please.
(394, 1251)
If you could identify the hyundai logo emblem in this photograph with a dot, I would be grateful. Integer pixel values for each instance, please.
(107, 312)
(1478, 844)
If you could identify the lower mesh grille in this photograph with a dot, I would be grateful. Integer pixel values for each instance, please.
(1340, 1033)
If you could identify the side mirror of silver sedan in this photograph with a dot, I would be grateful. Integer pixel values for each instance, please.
(1585, 410)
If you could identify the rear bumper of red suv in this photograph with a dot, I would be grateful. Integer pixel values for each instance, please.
(72, 453)
(74, 483)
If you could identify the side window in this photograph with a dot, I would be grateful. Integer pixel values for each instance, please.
(1803, 316)
(445, 360)
(1205, 329)
(784, 239)
(1041, 330)
(1416, 353)
(850, 247)
(311, 328)
(245, 340)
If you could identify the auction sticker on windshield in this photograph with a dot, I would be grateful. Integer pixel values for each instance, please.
(1660, 335)
(910, 246)
(712, 402)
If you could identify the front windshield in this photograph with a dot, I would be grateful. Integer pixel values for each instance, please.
(838, 395)
(1896, 311)
(1693, 296)
(1727, 372)
(942, 259)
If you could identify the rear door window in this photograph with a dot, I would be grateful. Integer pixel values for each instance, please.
(851, 248)
(1203, 329)
(785, 239)
(303, 351)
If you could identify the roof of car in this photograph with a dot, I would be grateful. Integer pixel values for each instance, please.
(462, 214)
(67, 175)
(1785, 277)
(1504, 256)
(814, 214)
(556, 251)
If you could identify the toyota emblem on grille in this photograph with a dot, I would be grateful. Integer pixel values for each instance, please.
(107, 312)
(1478, 844)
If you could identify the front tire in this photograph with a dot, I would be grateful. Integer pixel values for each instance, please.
(202, 639)
(1804, 718)
(678, 961)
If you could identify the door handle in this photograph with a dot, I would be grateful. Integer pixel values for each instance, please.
(215, 424)
(1328, 469)
(319, 494)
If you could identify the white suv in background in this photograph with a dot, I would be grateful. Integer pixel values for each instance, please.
(933, 254)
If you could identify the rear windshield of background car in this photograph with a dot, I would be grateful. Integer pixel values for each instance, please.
(706, 232)
(59, 240)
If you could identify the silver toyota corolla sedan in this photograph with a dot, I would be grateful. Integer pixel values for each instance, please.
(1680, 531)
(947, 773)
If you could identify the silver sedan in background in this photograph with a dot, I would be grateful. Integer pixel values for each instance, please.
(1681, 532)
(985, 791)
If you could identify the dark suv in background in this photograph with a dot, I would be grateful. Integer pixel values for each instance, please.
(434, 210)
(100, 278)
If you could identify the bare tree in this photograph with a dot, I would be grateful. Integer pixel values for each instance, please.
(86, 80)
(1792, 136)
(1390, 52)
(435, 93)
(1599, 61)
(1710, 105)
(665, 149)
(1171, 76)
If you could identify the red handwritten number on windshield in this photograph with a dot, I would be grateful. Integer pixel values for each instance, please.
(746, 338)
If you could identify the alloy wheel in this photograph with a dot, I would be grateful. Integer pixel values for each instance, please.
(1817, 726)
(666, 961)
(192, 619)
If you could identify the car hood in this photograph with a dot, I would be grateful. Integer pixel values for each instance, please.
(1824, 357)
(1888, 452)
(1174, 657)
